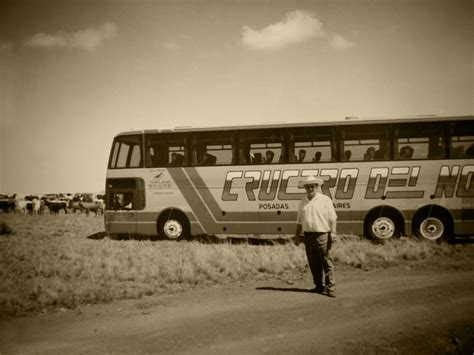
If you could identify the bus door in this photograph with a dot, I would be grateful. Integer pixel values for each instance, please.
(125, 197)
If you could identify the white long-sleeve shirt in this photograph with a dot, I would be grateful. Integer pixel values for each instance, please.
(317, 215)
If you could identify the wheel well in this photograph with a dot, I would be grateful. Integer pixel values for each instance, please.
(176, 213)
(383, 211)
(433, 210)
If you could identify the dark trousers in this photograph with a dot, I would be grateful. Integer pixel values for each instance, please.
(320, 260)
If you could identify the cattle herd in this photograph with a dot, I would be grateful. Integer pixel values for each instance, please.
(53, 204)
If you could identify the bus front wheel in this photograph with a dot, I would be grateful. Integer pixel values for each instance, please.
(173, 226)
(383, 227)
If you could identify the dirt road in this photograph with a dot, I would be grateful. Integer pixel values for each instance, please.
(397, 310)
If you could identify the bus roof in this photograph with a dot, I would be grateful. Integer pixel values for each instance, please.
(348, 121)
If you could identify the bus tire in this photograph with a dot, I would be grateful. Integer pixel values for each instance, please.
(434, 226)
(173, 225)
(382, 227)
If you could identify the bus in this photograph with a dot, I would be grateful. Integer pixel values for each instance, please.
(386, 177)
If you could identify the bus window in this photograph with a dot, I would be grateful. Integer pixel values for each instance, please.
(123, 201)
(312, 145)
(176, 144)
(213, 148)
(165, 149)
(419, 141)
(122, 156)
(262, 147)
(125, 194)
(462, 140)
(265, 153)
(126, 152)
(365, 143)
(176, 156)
(135, 157)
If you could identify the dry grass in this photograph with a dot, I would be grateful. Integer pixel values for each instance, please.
(49, 262)
(361, 253)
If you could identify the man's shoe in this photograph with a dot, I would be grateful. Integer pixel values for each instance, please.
(331, 294)
(318, 290)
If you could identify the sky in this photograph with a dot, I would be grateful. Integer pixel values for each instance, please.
(75, 73)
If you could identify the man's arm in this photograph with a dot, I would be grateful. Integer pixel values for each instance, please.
(331, 234)
(298, 230)
(299, 223)
(331, 217)
(332, 224)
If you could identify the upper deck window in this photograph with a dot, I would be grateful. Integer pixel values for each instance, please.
(165, 149)
(262, 147)
(462, 140)
(369, 142)
(126, 152)
(312, 145)
(419, 141)
(213, 148)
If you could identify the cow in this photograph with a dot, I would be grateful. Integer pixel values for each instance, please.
(29, 207)
(7, 204)
(29, 203)
(100, 206)
(36, 206)
(97, 207)
(75, 205)
(21, 205)
(56, 206)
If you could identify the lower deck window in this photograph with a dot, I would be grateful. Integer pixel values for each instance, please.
(125, 194)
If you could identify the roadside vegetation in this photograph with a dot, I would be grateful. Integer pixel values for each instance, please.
(48, 262)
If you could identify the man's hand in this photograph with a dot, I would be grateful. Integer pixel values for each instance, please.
(298, 240)
(329, 245)
(298, 233)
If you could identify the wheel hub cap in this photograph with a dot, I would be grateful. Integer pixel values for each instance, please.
(432, 228)
(383, 228)
(173, 229)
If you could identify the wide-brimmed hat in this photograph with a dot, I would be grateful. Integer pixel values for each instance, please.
(311, 180)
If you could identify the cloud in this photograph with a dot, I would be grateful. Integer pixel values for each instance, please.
(5, 46)
(339, 43)
(172, 46)
(297, 26)
(176, 42)
(88, 39)
(210, 54)
(185, 37)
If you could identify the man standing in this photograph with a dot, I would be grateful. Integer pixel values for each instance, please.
(317, 220)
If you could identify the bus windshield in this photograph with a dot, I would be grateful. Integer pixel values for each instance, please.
(126, 152)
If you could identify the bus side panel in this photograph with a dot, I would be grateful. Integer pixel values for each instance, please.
(245, 199)
(240, 195)
(161, 193)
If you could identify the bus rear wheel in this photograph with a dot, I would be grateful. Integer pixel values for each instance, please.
(381, 228)
(173, 226)
(432, 228)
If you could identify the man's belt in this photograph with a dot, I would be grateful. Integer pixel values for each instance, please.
(314, 234)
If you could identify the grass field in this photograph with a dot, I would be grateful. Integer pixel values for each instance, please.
(48, 262)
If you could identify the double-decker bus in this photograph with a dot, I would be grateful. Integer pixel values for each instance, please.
(386, 178)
